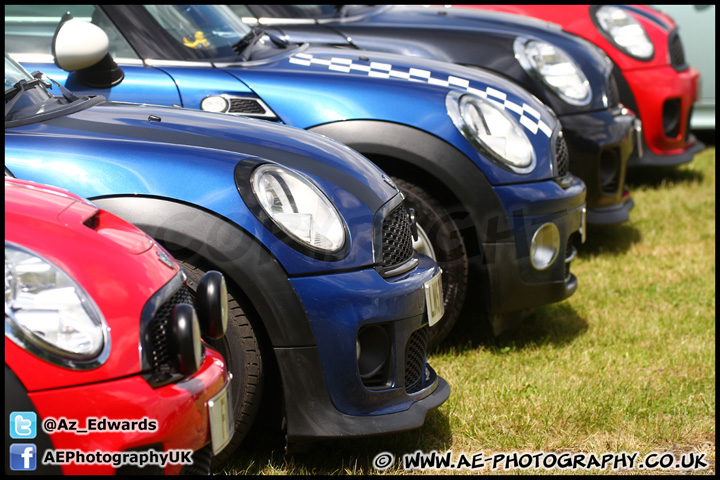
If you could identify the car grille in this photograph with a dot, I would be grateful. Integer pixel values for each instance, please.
(397, 245)
(415, 357)
(158, 329)
(562, 157)
(613, 91)
(246, 106)
(676, 51)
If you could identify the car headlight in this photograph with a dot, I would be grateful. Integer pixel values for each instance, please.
(299, 208)
(492, 130)
(49, 314)
(554, 68)
(624, 31)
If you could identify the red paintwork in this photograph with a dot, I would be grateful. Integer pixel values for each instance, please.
(652, 82)
(118, 266)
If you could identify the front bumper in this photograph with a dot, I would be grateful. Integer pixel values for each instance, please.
(325, 396)
(516, 286)
(664, 101)
(179, 409)
(600, 145)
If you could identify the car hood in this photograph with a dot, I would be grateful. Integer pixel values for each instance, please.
(223, 137)
(352, 85)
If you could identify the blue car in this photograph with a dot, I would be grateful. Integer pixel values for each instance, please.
(570, 75)
(482, 163)
(328, 304)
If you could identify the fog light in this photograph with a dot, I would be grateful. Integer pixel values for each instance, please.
(545, 246)
(372, 348)
(214, 103)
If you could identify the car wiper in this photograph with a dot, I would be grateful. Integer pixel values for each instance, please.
(16, 92)
(245, 45)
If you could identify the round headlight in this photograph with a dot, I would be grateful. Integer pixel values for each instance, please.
(299, 208)
(492, 130)
(215, 103)
(49, 314)
(624, 31)
(554, 68)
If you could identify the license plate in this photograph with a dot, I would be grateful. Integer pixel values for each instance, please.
(222, 424)
(434, 299)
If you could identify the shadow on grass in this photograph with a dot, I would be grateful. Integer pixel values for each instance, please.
(556, 325)
(610, 240)
(656, 177)
(338, 456)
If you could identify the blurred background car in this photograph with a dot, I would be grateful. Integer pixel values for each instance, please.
(696, 25)
(99, 323)
(655, 78)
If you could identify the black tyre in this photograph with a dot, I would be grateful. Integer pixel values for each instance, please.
(239, 347)
(439, 238)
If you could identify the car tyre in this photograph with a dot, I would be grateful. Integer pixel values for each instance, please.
(241, 351)
(440, 239)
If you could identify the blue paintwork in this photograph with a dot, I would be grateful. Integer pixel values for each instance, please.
(112, 149)
(306, 96)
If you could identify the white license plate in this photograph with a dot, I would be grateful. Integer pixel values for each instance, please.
(434, 299)
(222, 423)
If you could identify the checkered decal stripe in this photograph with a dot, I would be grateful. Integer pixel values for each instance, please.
(528, 116)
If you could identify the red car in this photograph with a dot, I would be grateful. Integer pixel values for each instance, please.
(105, 368)
(653, 77)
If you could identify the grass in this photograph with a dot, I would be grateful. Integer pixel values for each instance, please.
(627, 364)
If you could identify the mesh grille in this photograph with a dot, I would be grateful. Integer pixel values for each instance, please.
(677, 53)
(158, 328)
(415, 354)
(562, 157)
(396, 238)
(246, 106)
(613, 92)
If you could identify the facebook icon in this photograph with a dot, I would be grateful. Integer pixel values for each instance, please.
(23, 456)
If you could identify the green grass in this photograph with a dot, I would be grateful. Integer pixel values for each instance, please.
(627, 364)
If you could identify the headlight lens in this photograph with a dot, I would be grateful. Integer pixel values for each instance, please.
(554, 67)
(625, 31)
(50, 314)
(492, 131)
(299, 208)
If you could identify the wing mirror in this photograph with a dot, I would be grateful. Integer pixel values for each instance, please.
(82, 48)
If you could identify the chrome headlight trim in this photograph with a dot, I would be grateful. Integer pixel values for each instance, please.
(21, 334)
(623, 31)
(454, 105)
(521, 47)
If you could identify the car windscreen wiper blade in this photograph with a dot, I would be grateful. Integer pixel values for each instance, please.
(15, 93)
(245, 45)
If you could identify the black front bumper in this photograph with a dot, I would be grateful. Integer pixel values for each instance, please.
(311, 414)
(600, 145)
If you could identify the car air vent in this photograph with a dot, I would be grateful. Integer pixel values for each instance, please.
(251, 107)
(158, 338)
(562, 157)
(613, 91)
(677, 53)
(397, 240)
(415, 359)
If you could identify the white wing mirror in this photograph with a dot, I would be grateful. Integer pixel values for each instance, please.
(82, 47)
(78, 45)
